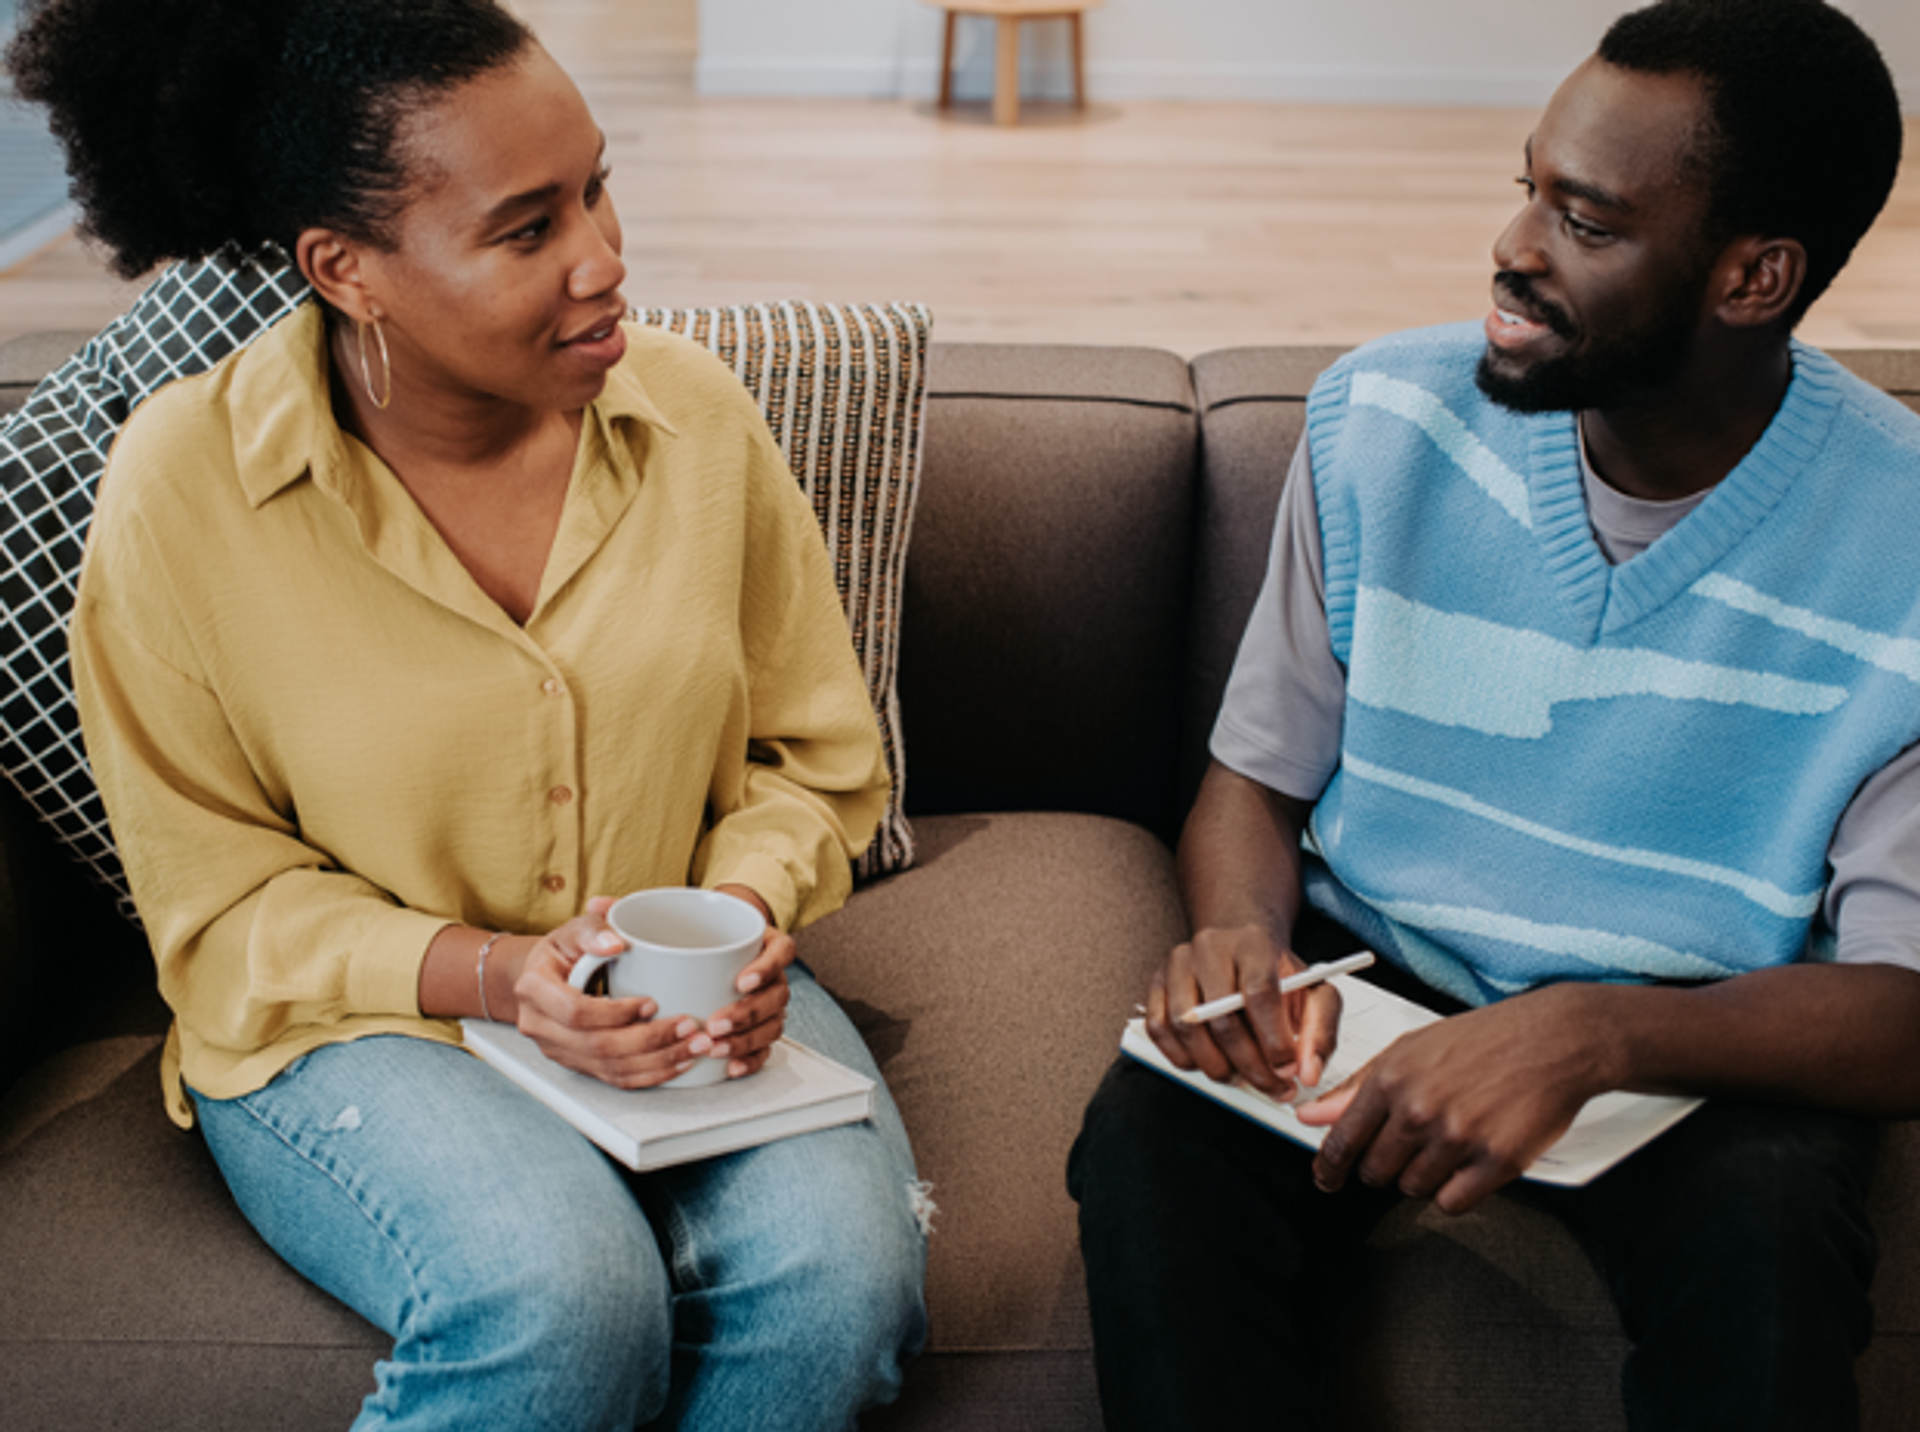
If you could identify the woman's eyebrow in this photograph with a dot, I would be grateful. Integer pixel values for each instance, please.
(535, 198)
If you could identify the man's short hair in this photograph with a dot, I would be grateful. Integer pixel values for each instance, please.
(1804, 131)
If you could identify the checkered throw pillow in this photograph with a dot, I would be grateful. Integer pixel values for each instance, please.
(842, 388)
(52, 451)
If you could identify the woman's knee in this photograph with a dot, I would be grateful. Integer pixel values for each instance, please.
(859, 1279)
(568, 1320)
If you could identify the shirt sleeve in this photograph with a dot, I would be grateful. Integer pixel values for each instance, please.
(1873, 898)
(1280, 719)
(256, 934)
(789, 820)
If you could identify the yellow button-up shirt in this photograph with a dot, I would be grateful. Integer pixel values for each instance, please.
(320, 743)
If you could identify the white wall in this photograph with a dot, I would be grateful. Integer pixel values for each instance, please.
(1506, 52)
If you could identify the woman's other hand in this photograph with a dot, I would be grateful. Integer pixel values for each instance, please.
(619, 1041)
(744, 1031)
(625, 1041)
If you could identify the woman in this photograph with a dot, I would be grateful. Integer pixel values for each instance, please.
(447, 602)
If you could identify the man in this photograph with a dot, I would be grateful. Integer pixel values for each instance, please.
(1582, 688)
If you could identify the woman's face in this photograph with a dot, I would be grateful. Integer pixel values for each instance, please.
(504, 284)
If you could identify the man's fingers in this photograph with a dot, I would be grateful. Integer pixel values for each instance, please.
(1356, 1114)
(1319, 1032)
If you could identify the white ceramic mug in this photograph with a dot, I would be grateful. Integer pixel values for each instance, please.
(685, 948)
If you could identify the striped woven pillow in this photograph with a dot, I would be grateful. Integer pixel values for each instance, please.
(842, 388)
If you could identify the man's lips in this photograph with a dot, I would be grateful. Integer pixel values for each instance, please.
(1519, 319)
(1507, 329)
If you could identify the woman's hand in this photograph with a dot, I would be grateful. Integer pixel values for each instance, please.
(744, 1031)
(625, 1041)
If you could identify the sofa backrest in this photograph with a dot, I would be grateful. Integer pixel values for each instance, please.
(25, 360)
(1043, 640)
(1253, 407)
(1896, 370)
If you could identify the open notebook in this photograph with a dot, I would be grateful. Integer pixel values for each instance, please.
(1605, 1131)
(795, 1092)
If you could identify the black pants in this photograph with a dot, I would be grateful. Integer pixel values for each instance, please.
(1736, 1247)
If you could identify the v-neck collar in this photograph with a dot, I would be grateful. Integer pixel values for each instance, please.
(1602, 598)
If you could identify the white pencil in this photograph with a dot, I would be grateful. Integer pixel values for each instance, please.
(1312, 975)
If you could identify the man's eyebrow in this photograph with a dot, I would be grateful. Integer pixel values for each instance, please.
(1581, 189)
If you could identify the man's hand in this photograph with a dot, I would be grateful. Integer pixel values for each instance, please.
(1272, 1042)
(1454, 1110)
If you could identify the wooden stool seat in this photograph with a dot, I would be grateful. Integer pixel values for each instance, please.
(1006, 78)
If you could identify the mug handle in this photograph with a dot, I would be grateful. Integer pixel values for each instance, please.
(586, 967)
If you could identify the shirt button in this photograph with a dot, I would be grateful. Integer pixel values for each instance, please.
(559, 795)
(552, 686)
(554, 884)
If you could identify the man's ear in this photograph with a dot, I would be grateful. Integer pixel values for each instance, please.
(331, 263)
(1758, 280)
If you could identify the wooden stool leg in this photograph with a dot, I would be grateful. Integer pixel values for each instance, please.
(946, 62)
(1079, 65)
(1006, 81)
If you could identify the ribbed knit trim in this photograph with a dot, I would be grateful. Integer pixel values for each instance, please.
(1558, 492)
(1339, 549)
(1742, 500)
(1601, 599)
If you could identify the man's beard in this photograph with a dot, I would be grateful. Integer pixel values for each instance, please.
(1609, 370)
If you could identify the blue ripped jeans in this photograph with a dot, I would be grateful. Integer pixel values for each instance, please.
(529, 1282)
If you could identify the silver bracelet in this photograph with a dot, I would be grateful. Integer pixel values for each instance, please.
(480, 974)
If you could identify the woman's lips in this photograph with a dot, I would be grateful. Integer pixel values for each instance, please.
(603, 346)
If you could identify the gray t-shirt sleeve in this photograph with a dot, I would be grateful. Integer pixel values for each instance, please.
(1280, 719)
(1280, 723)
(1873, 898)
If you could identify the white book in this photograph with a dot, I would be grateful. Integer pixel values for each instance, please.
(796, 1091)
(1605, 1131)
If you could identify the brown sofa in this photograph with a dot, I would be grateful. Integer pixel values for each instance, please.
(1091, 531)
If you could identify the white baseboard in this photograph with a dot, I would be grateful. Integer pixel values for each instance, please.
(878, 78)
(872, 77)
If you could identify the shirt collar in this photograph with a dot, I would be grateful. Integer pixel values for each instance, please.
(282, 413)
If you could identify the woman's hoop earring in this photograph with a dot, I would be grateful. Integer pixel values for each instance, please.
(385, 396)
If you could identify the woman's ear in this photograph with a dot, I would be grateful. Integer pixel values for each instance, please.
(1760, 280)
(331, 263)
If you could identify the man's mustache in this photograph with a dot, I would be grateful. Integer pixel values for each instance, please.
(1515, 292)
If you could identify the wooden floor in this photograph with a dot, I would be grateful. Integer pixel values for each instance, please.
(1185, 226)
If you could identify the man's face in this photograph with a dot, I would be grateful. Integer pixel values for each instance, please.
(1601, 282)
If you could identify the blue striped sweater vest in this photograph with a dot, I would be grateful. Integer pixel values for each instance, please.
(1552, 768)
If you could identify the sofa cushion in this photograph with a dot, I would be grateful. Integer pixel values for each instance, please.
(992, 982)
(842, 385)
(136, 1293)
